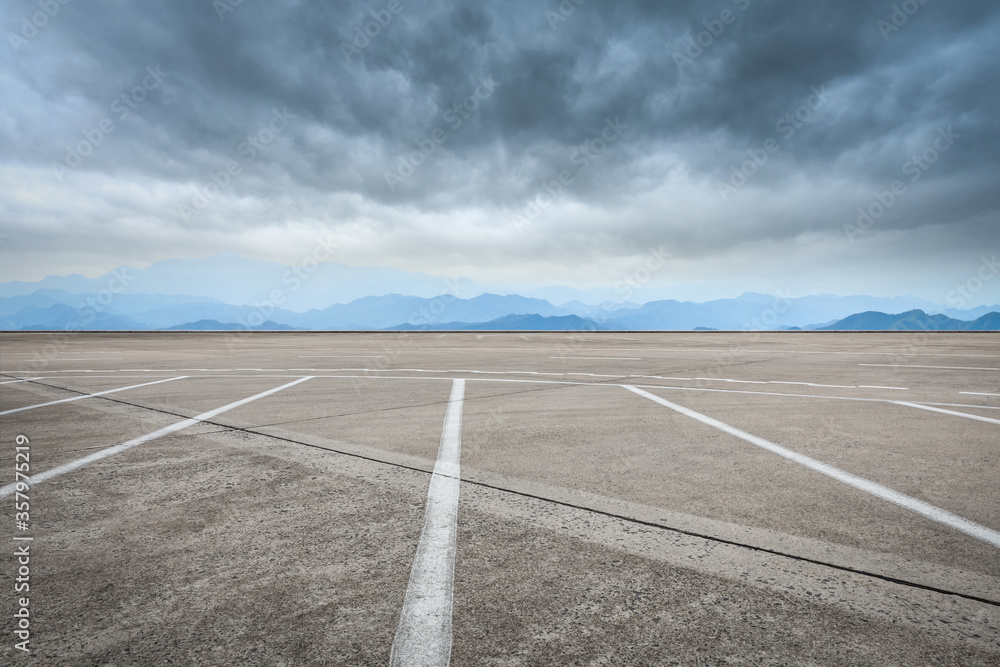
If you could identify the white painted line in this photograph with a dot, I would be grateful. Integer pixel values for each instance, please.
(424, 633)
(80, 398)
(338, 356)
(807, 384)
(949, 412)
(927, 510)
(946, 368)
(21, 380)
(736, 381)
(603, 358)
(294, 372)
(166, 430)
(974, 393)
(865, 386)
(86, 359)
(955, 405)
(812, 384)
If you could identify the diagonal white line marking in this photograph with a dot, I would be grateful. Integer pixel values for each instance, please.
(601, 358)
(983, 533)
(949, 412)
(424, 634)
(80, 398)
(944, 368)
(21, 380)
(166, 430)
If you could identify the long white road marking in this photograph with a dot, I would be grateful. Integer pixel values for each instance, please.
(601, 358)
(949, 412)
(80, 398)
(296, 372)
(166, 430)
(866, 386)
(21, 380)
(424, 634)
(85, 358)
(983, 533)
(488, 372)
(736, 381)
(946, 368)
(827, 386)
(976, 393)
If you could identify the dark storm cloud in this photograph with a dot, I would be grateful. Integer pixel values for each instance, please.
(890, 80)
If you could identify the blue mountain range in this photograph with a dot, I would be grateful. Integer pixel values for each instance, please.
(227, 291)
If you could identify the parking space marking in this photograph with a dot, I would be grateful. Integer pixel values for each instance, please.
(22, 380)
(927, 510)
(719, 350)
(945, 368)
(85, 359)
(494, 372)
(600, 358)
(424, 633)
(826, 386)
(99, 393)
(948, 412)
(166, 430)
(291, 372)
(734, 381)
(865, 386)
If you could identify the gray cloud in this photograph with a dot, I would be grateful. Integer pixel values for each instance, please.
(887, 94)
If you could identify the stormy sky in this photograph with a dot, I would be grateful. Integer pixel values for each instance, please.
(839, 147)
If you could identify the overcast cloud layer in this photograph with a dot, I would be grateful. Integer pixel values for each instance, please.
(644, 125)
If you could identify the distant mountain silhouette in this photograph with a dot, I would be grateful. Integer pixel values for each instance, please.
(913, 320)
(233, 279)
(212, 325)
(60, 317)
(511, 323)
(988, 322)
(59, 309)
(751, 311)
(383, 312)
